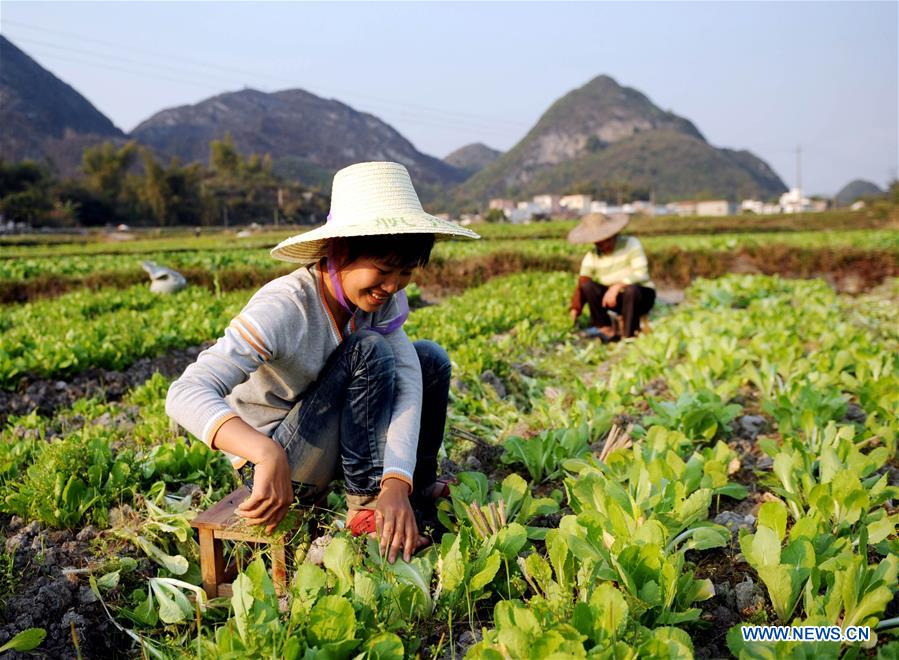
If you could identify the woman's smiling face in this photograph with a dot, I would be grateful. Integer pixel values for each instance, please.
(368, 282)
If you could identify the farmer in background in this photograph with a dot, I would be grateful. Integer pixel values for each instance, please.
(614, 276)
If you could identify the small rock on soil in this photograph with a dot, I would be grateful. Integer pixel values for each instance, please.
(491, 379)
(750, 426)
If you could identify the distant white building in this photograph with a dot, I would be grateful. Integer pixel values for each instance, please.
(524, 212)
(502, 204)
(548, 204)
(759, 207)
(714, 207)
(794, 202)
(598, 207)
(752, 206)
(682, 208)
(642, 206)
(579, 204)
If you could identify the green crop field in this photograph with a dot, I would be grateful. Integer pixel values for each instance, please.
(735, 465)
(25, 277)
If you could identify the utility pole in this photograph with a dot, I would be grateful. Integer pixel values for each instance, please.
(799, 179)
(280, 205)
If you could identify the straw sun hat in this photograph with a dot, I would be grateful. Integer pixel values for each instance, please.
(368, 199)
(595, 227)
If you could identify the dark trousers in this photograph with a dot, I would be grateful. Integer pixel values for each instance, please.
(633, 302)
(339, 425)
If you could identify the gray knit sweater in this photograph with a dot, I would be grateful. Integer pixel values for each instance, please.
(273, 350)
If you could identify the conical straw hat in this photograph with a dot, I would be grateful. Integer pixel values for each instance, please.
(596, 227)
(368, 199)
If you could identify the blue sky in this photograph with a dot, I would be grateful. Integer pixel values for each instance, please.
(762, 76)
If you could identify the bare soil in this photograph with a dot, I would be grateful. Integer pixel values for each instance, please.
(48, 395)
(49, 594)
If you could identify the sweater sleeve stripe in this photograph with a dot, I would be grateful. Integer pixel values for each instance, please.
(241, 328)
(250, 324)
(402, 475)
(212, 427)
(215, 423)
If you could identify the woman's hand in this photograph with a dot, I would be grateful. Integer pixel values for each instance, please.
(396, 521)
(272, 490)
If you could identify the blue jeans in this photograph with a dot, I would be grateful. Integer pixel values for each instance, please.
(339, 425)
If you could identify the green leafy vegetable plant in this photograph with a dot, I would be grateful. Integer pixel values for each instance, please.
(543, 454)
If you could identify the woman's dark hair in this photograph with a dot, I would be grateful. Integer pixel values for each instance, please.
(397, 250)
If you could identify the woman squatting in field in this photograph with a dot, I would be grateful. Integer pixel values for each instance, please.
(315, 379)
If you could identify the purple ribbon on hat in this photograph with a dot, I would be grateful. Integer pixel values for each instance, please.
(402, 302)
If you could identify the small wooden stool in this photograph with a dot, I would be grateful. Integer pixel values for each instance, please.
(220, 523)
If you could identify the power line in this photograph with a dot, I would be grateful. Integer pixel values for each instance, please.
(82, 38)
(407, 118)
(490, 122)
(67, 49)
(112, 67)
(413, 118)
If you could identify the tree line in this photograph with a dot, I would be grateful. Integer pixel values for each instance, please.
(126, 183)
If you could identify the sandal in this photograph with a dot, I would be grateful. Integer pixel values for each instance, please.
(363, 523)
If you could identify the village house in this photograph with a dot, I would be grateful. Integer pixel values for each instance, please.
(578, 204)
(644, 207)
(682, 208)
(502, 204)
(599, 207)
(758, 207)
(548, 204)
(794, 202)
(714, 207)
(752, 206)
(524, 212)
